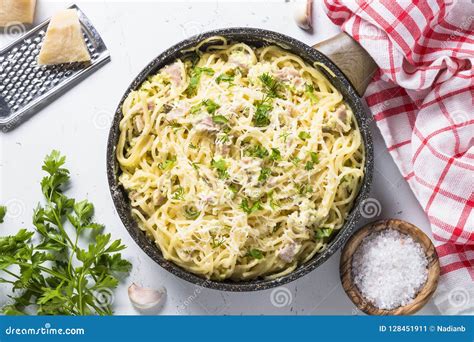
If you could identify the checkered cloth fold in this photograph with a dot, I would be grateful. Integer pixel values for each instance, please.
(422, 99)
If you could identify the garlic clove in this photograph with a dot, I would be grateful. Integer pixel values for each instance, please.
(303, 14)
(145, 298)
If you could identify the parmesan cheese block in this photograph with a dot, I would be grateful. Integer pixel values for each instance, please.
(16, 11)
(64, 42)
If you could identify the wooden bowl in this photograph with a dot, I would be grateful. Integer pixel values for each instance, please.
(353, 292)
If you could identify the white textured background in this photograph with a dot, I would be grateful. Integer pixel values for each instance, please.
(77, 124)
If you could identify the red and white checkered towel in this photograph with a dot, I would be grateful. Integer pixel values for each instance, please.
(422, 99)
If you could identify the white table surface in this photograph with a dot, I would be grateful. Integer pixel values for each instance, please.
(77, 124)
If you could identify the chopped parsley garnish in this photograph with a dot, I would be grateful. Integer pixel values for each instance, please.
(174, 125)
(250, 208)
(196, 108)
(234, 188)
(285, 136)
(276, 154)
(222, 138)
(257, 151)
(304, 189)
(216, 243)
(220, 119)
(309, 91)
(262, 114)
(255, 253)
(314, 160)
(210, 105)
(221, 167)
(270, 85)
(273, 202)
(322, 233)
(263, 108)
(191, 145)
(304, 135)
(191, 213)
(168, 164)
(178, 194)
(211, 108)
(295, 160)
(225, 78)
(195, 165)
(265, 172)
(196, 77)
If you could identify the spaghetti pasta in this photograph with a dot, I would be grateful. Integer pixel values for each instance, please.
(241, 162)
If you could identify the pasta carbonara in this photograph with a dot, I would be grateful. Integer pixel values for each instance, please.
(239, 162)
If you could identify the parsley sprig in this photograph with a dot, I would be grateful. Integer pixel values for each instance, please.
(250, 208)
(322, 233)
(225, 78)
(191, 213)
(304, 135)
(221, 167)
(168, 164)
(211, 106)
(178, 194)
(255, 253)
(276, 154)
(256, 151)
(262, 114)
(195, 78)
(314, 160)
(270, 85)
(263, 107)
(309, 91)
(265, 172)
(217, 242)
(50, 272)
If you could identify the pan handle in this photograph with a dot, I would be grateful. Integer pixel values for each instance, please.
(351, 58)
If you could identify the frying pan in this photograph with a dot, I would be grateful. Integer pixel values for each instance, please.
(352, 68)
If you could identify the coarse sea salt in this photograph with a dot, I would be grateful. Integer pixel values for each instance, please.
(389, 268)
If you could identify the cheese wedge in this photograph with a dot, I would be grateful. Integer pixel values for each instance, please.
(64, 42)
(16, 11)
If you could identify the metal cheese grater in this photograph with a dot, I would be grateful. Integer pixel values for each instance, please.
(26, 87)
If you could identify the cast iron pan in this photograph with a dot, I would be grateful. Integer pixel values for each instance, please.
(352, 67)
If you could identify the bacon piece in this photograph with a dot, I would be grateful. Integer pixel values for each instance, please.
(174, 72)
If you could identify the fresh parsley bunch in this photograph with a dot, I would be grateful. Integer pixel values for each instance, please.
(49, 271)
